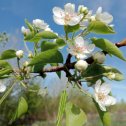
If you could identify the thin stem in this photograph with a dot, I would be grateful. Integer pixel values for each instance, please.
(7, 93)
(18, 63)
(73, 35)
(78, 84)
(91, 77)
(66, 33)
(26, 47)
(35, 48)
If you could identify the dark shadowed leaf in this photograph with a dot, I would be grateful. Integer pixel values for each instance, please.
(8, 54)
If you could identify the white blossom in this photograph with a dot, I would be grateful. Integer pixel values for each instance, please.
(80, 48)
(40, 24)
(2, 87)
(103, 16)
(102, 96)
(68, 16)
(81, 65)
(25, 31)
(19, 53)
(99, 57)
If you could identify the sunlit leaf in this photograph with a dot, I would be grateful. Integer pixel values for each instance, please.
(100, 28)
(49, 56)
(62, 105)
(5, 68)
(42, 35)
(74, 115)
(109, 47)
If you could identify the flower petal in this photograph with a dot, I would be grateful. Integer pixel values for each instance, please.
(91, 47)
(58, 12)
(59, 21)
(99, 10)
(89, 14)
(101, 105)
(79, 41)
(106, 18)
(81, 56)
(105, 88)
(109, 100)
(2, 88)
(97, 85)
(75, 20)
(70, 8)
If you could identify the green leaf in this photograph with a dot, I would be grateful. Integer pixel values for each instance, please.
(62, 105)
(21, 109)
(29, 25)
(97, 71)
(74, 115)
(104, 115)
(100, 28)
(5, 68)
(69, 29)
(48, 45)
(43, 35)
(47, 35)
(29, 37)
(109, 47)
(93, 73)
(8, 54)
(60, 42)
(49, 56)
(38, 67)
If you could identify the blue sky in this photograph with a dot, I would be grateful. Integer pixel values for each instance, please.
(13, 13)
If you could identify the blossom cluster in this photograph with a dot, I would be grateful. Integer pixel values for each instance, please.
(78, 46)
(81, 48)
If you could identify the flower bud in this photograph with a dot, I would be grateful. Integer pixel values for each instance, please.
(26, 63)
(2, 88)
(25, 31)
(92, 18)
(49, 29)
(19, 53)
(40, 24)
(30, 55)
(82, 9)
(111, 75)
(81, 65)
(99, 57)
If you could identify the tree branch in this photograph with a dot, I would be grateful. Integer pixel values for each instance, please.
(70, 65)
